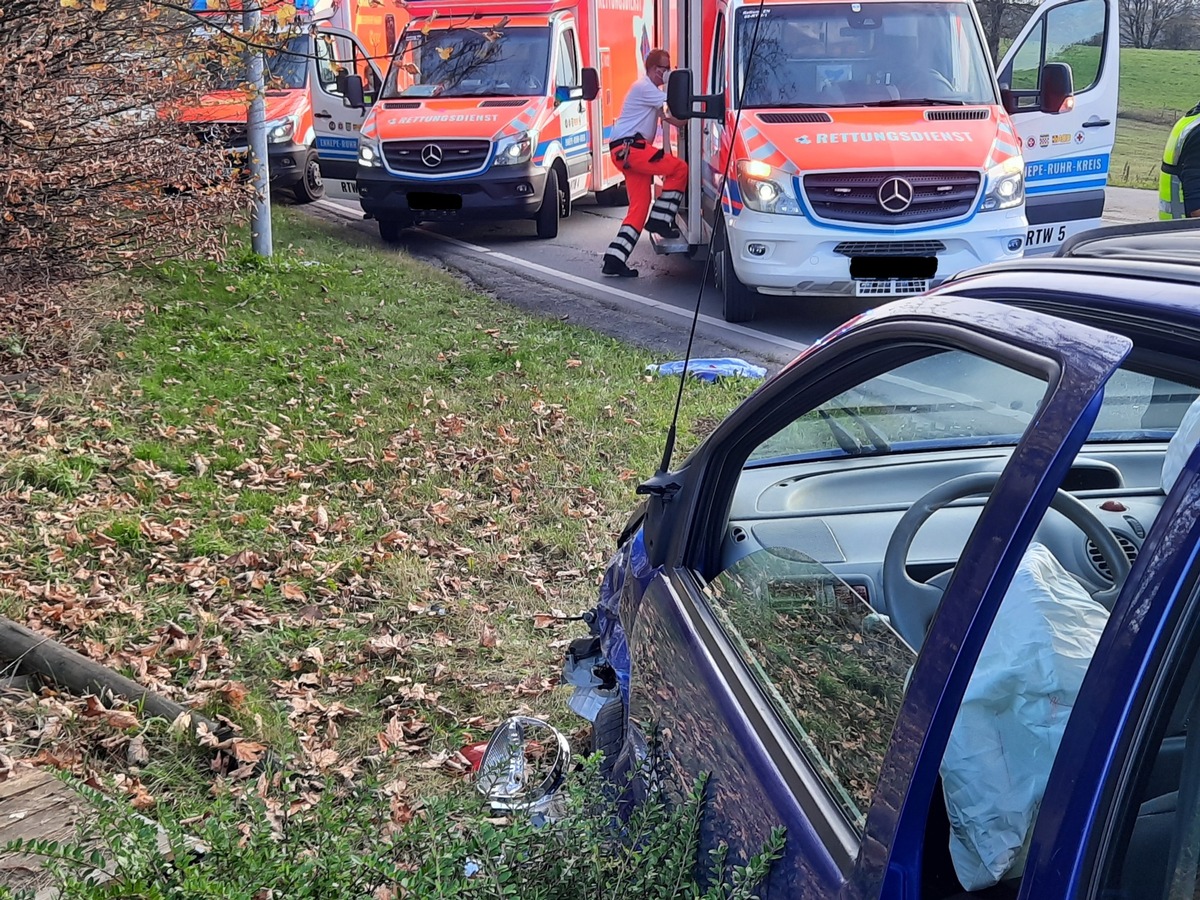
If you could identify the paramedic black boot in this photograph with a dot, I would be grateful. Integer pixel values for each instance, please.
(614, 266)
(662, 214)
(617, 254)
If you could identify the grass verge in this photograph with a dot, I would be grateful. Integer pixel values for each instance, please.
(332, 497)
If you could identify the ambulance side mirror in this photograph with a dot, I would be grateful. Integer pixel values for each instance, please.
(352, 92)
(591, 84)
(1008, 100)
(681, 101)
(1058, 88)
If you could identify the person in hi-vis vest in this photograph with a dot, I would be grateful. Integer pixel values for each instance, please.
(632, 149)
(1179, 183)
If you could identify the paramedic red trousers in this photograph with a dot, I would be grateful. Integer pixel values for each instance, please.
(641, 161)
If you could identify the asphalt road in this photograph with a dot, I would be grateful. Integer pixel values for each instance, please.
(561, 278)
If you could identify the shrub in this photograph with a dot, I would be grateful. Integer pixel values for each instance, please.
(346, 844)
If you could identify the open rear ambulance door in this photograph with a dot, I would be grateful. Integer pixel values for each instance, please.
(1066, 153)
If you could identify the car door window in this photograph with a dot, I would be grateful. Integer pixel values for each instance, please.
(830, 667)
(567, 68)
(1072, 33)
(801, 591)
(338, 57)
(717, 75)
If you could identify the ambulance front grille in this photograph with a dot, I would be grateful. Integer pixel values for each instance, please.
(889, 248)
(448, 156)
(854, 196)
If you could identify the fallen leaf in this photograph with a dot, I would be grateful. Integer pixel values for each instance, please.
(488, 637)
(293, 592)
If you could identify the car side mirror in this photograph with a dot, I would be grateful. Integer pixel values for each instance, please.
(681, 101)
(1058, 88)
(352, 90)
(591, 84)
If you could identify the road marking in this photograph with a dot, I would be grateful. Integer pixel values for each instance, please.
(792, 346)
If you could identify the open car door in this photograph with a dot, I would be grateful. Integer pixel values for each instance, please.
(1066, 152)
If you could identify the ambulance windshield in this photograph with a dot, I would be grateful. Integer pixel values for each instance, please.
(286, 68)
(861, 54)
(480, 61)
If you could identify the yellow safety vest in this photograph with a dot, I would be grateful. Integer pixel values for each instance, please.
(1170, 188)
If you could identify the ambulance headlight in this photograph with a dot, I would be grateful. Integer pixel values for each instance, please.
(1005, 185)
(516, 148)
(766, 189)
(280, 130)
(370, 155)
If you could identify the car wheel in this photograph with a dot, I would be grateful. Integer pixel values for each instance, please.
(311, 187)
(548, 215)
(608, 733)
(390, 228)
(737, 300)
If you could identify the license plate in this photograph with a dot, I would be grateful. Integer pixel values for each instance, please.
(342, 188)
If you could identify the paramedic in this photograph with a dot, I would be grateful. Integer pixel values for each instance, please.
(633, 151)
(1179, 183)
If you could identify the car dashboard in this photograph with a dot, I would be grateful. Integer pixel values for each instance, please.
(842, 512)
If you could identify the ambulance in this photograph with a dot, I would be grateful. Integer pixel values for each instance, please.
(500, 110)
(312, 134)
(868, 148)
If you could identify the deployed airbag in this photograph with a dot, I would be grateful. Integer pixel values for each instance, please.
(1013, 716)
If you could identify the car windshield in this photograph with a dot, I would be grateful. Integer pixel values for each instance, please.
(861, 54)
(955, 399)
(479, 61)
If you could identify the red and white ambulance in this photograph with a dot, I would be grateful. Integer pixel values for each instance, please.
(870, 148)
(312, 135)
(498, 109)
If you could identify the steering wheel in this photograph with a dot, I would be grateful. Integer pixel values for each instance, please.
(911, 604)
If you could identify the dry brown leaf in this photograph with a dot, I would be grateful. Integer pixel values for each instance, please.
(293, 591)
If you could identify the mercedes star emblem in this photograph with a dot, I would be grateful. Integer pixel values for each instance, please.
(431, 155)
(895, 195)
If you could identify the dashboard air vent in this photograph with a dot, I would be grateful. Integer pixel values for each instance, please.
(1100, 564)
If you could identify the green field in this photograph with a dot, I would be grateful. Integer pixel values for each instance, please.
(1157, 86)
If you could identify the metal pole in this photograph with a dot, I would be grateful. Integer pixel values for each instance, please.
(256, 133)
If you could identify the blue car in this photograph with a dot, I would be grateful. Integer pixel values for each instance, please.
(930, 597)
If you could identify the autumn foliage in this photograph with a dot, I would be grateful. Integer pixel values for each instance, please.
(96, 173)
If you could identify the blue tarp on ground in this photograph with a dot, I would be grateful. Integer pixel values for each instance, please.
(710, 369)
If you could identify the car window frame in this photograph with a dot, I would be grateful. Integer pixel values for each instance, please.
(816, 376)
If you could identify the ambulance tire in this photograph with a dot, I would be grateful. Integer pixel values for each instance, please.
(548, 215)
(390, 228)
(737, 300)
(310, 187)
